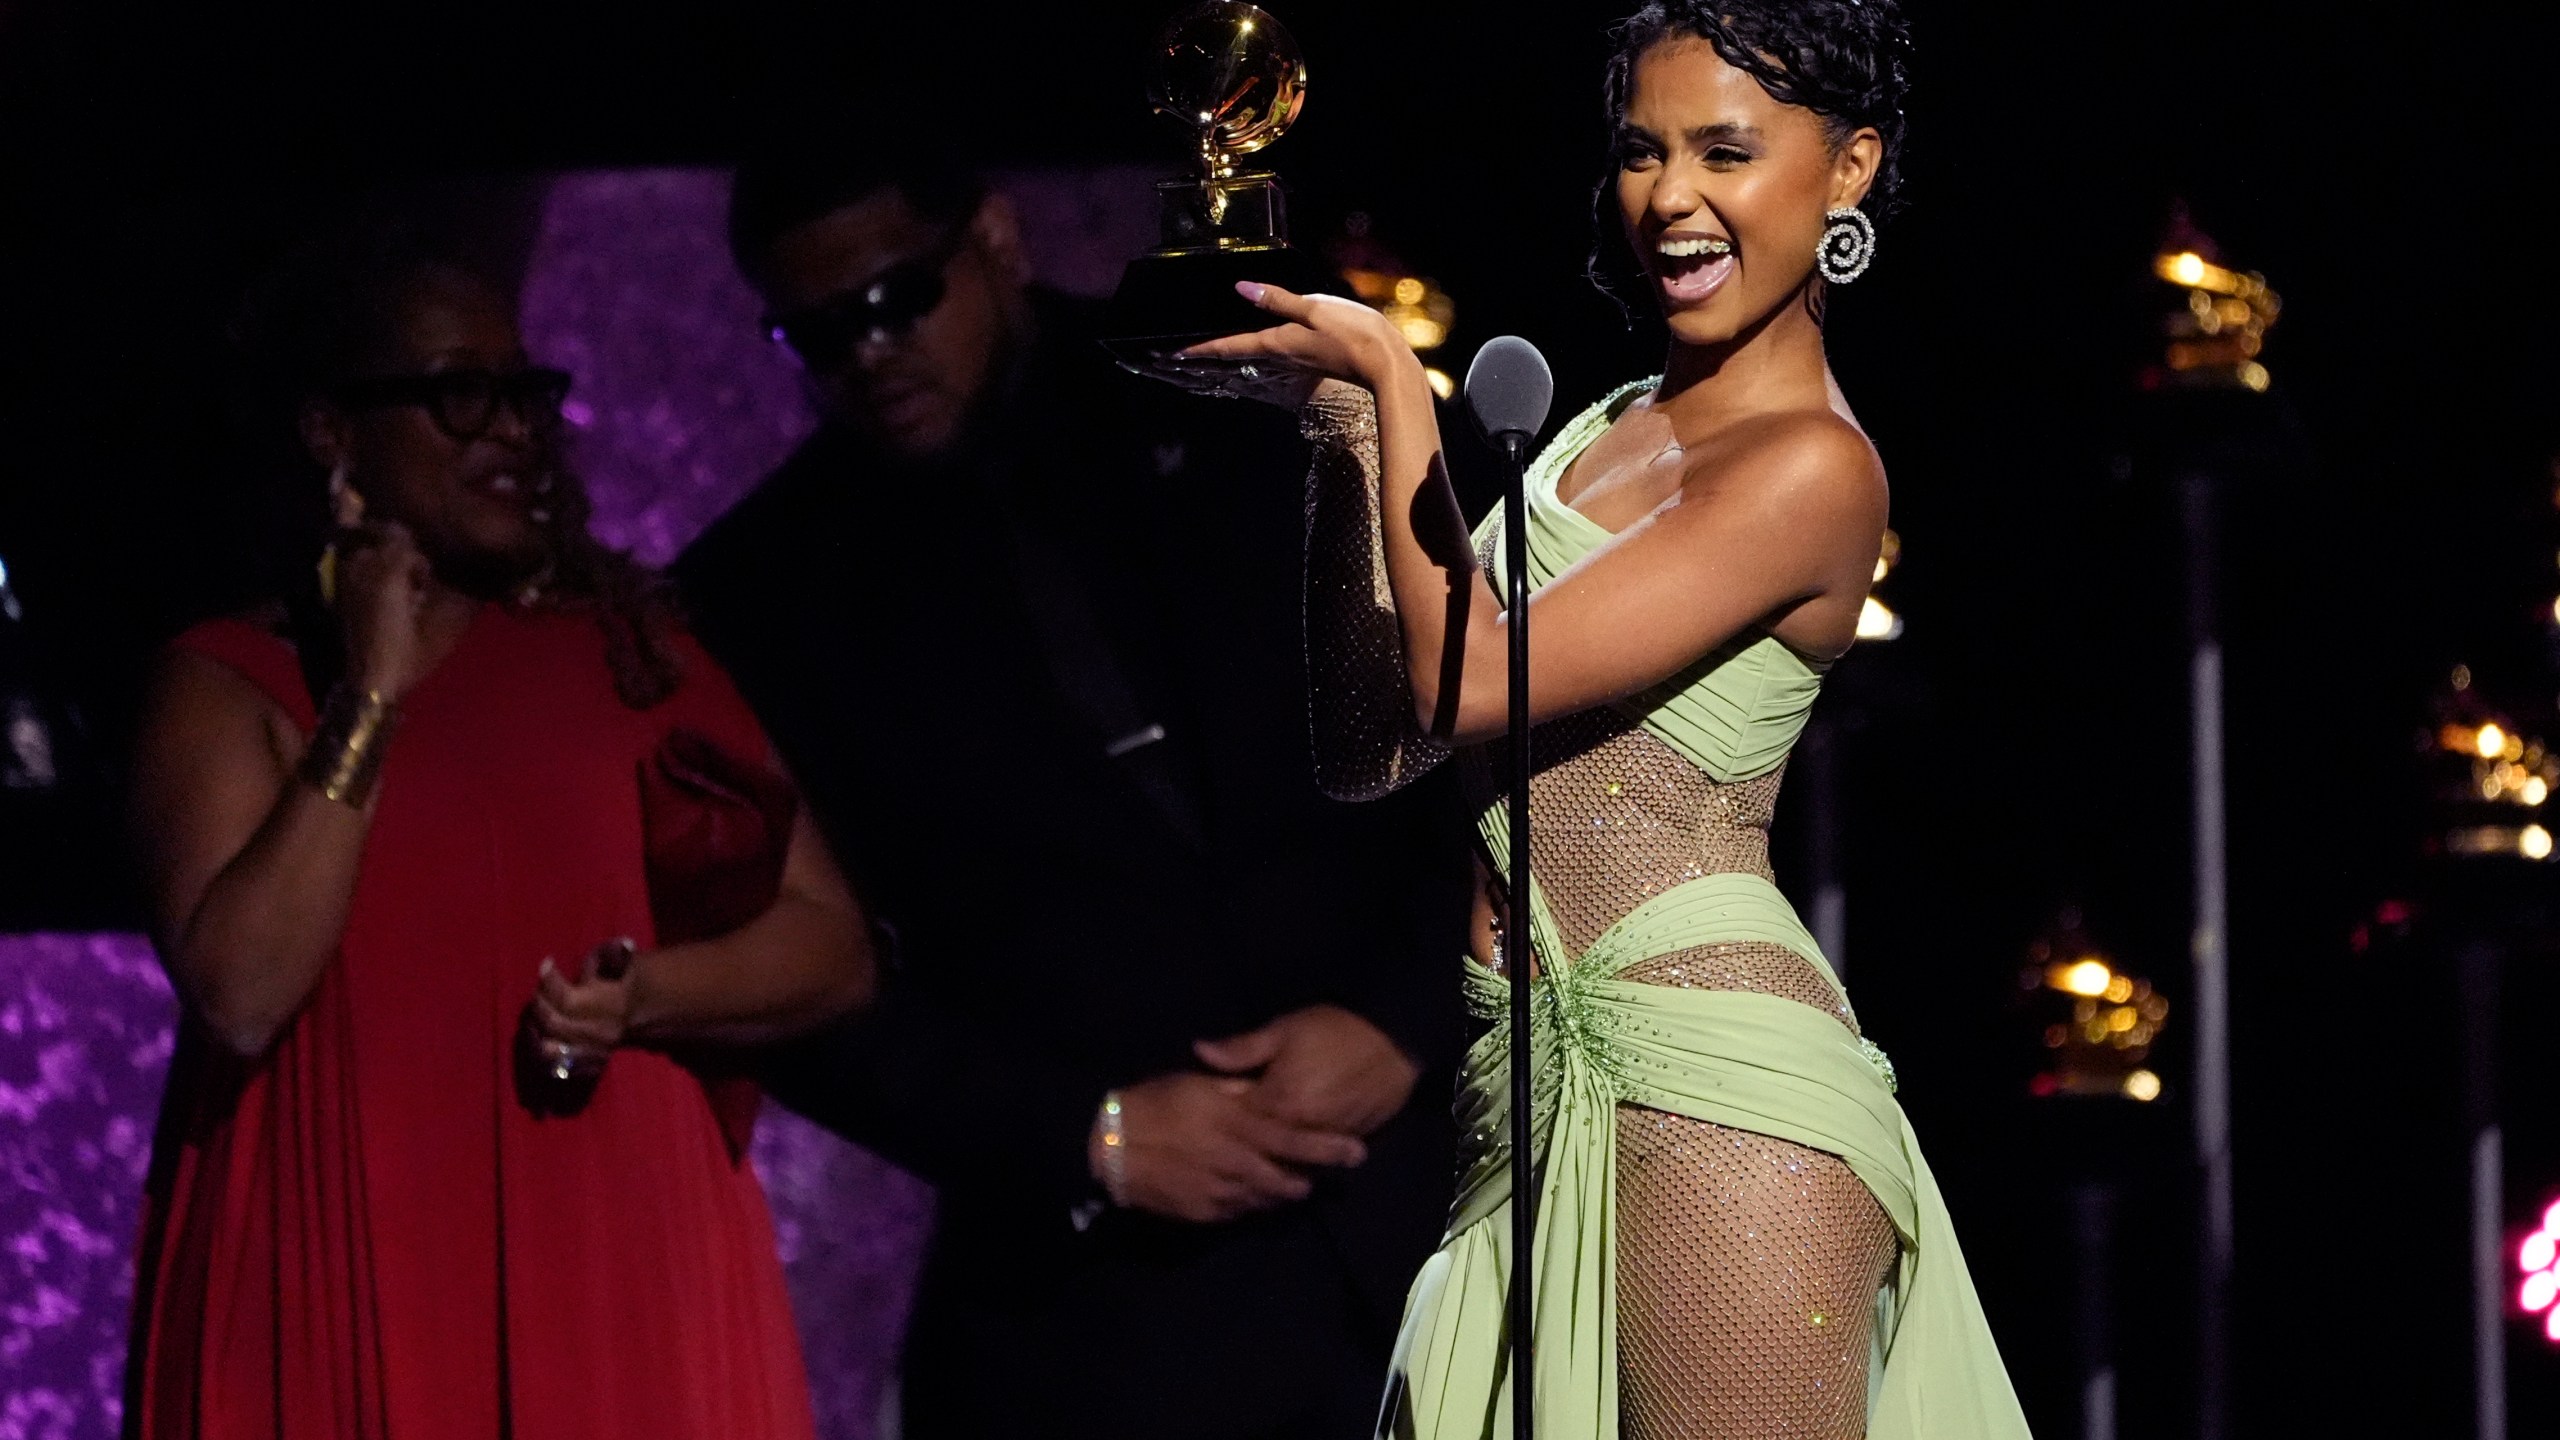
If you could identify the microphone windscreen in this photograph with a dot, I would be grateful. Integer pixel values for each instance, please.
(1509, 388)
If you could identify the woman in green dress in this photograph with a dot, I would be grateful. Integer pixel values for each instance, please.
(1736, 1233)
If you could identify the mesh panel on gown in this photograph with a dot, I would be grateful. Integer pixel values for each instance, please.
(1747, 1265)
(1359, 705)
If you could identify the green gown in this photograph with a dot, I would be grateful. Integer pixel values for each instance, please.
(1755, 1062)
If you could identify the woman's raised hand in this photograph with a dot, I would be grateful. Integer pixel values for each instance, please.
(382, 589)
(1320, 337)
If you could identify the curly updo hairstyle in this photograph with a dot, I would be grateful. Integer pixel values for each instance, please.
(1848, 61)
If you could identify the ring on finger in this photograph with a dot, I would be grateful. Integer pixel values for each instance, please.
(570, 1061)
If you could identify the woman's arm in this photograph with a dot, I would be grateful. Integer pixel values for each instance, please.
(1360, 711)
(802, 964)
(1780, 524)
(250, 866)
(250, 870)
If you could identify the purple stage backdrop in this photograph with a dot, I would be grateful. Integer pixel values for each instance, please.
(680, 407)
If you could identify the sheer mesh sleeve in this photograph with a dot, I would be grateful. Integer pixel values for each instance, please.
(1359, 700)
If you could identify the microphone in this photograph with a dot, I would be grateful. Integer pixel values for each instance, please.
(1509, 388)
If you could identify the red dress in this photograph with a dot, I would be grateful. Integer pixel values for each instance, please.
(366, 1233)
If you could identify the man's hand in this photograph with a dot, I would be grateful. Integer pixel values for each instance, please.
(1197, 1149)
(1322, 1067)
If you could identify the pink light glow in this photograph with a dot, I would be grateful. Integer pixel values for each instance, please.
(2540, 1289)
(2539, 1258)
(2540, 1249)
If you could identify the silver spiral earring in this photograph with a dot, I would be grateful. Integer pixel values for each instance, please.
(1846, 246)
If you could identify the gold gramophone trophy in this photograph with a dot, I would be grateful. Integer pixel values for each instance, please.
(1230, 73)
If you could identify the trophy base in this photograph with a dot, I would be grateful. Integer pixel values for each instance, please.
(1168, 301)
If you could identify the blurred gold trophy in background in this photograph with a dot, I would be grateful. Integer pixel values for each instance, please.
(1235, 78)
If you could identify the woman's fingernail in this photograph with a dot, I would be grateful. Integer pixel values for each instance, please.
(1250, 290)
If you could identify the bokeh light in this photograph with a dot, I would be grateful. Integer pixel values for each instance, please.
(2086, 977)
(2538, 1263)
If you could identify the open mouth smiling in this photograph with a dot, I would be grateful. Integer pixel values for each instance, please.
(1692, 265)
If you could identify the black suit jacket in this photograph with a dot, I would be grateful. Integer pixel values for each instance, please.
(948, 656)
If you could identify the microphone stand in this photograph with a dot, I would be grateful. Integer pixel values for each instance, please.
(1517, 950)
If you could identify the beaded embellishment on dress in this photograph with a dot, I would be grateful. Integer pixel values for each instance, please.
(1747, 1266)
(1359, 705)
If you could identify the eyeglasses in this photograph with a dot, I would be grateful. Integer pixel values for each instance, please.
(464, 403)
(823, 334)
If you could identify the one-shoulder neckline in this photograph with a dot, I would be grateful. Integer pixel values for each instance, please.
(1543, 480)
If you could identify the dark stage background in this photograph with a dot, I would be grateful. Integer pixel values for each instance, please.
(2023, 744)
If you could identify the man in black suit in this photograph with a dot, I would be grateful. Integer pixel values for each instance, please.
(1026, 629)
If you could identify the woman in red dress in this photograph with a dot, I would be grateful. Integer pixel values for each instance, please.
(426, 1167)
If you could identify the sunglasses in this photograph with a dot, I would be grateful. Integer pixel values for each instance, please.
(823, 334)
(465, 403)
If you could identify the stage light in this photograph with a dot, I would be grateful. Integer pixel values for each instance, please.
(2538, 1262)
(2099, 1021)
(1441, 384)
(1876, 620)
(2217, 335)
(2507, 767)
(1421, 331)
(2529, 841)
(2197, 273)
(1421, 312)
(2538, 1251)
(2085, 977)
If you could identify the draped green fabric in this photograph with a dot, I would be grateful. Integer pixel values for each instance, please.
(1755, 1062)
(1735, 713)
